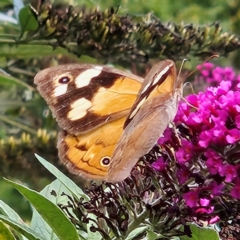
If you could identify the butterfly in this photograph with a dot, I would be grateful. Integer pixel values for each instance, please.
(108, 118)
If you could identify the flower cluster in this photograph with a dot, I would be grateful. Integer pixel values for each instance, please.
(208, 153)
(214, 75)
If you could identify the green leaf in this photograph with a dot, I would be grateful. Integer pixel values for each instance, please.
(52, 214)
(30, 50)
(136, 232)
(151, 235)
(199, 233)
(27, 21)
(5, 233)
(21, 228)
(68, 183)
(6, 210)
(52, 192)
(8, 81)
(75, 191)
(5, 3)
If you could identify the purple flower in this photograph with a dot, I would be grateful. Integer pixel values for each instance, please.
(183, 174)
(191, 198)
(159, 165)
(214, 219)
(184, 153)
(166, 136)
(207, 159)
(204, 206)
(228, 171)
(214, 162)
(214, 75)
(233, 135)
(216, 188)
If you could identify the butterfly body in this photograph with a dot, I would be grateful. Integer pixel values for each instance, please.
(109, 118)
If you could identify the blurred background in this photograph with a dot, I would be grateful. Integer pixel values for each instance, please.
(26, 124)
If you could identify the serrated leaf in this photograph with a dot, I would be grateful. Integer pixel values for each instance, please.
(23, 229)
(52, 214)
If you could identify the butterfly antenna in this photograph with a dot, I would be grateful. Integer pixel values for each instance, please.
(184, 60)
(181, 67)
(189, 104)
(213, 56)
(191, 86)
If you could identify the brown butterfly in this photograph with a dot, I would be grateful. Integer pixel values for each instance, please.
(109, 118)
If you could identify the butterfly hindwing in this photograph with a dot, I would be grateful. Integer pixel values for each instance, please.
(90, 154)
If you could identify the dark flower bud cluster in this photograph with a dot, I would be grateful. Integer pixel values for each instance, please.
(107, 34)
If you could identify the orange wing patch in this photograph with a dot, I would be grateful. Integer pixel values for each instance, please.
(90, 154)
(119, 97)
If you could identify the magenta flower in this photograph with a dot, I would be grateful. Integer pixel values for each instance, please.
(183, 174)
(228, 171)
(214, 162)
(184, 154)
(159, 164)
(208, 154)
(216, 188)
(204, 206)
(191, 198)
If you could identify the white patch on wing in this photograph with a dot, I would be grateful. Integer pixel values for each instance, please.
(79, 109)
(60, 90)
(161, 74)
(100, 68)
(137, 108)
(156, 79)
(84, 78)
(146, 87)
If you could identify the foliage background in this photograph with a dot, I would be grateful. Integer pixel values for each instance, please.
(22, 111)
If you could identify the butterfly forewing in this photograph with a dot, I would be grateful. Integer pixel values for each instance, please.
(159, 81)
(148, 123)
(84, 97)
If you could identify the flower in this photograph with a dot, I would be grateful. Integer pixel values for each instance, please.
(191, 198)
(159, 164)
(207, 160)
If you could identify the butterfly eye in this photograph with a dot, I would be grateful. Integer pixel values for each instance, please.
(105, 161)
(64, 80)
